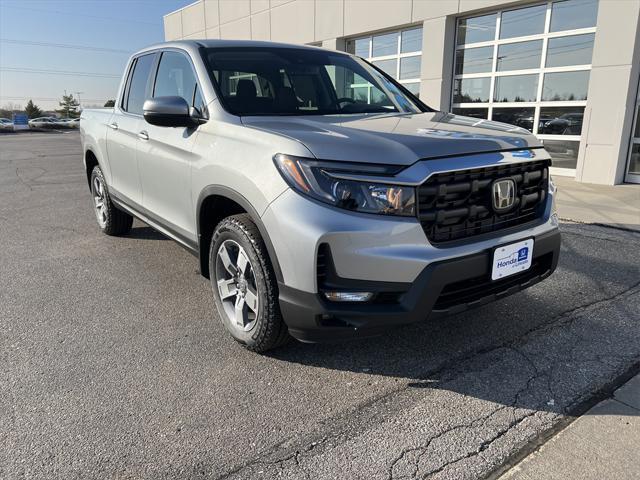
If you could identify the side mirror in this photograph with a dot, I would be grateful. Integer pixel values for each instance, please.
(170, 112)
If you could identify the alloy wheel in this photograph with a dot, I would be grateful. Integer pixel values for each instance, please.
(237, 285)
(99, 201)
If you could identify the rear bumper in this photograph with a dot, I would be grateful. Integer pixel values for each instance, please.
(443, 287)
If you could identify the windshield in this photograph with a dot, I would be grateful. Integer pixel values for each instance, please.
(295, 81)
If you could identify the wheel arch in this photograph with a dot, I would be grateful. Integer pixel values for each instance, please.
(217, 202)
(92, 158)
(90, 162)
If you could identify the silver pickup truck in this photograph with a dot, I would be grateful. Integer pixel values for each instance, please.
(322, 199)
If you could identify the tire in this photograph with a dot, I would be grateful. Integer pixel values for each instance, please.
(110, 220)
(260, 328)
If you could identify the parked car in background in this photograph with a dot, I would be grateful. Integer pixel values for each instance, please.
(567, 124)
(61, 122)
(317, 212)
(6, 124)
(67, 122)
(526, 121)
(42, 122)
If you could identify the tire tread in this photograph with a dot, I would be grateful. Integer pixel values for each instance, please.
(272, 332)
(118, 222)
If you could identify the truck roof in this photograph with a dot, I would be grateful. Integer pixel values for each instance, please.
(192, 45)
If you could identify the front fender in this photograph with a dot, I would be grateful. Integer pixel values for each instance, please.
(226, 192)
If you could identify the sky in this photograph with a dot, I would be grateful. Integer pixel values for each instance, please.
(49, 46)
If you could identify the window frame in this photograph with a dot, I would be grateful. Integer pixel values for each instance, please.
(123, 104)
(540, 70)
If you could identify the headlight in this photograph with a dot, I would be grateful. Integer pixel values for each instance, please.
(320, 180)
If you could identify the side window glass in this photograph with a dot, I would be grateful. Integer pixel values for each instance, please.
(138, 88)
(175, 77)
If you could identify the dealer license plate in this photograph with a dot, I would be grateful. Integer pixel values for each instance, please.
(511, 259)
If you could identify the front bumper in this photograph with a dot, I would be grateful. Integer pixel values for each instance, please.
(393, 257)
(442, 288)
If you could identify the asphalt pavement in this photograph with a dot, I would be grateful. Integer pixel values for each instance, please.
(113, 364)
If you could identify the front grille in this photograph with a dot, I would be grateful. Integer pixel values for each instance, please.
(458, 205)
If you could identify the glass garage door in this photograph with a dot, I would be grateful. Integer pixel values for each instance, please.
(529, 67)
(633, 167)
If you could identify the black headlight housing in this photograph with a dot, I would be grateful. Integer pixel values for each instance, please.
(324, 181)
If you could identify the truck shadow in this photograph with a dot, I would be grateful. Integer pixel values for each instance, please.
(145, 233)
(548, 348)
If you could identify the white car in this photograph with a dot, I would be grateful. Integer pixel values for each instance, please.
(42, 122)
(62, 122)
(6, 124)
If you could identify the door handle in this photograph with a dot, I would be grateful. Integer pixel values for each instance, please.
(113, 126)
(143, 135)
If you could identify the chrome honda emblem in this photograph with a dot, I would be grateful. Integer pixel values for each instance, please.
(503, 193)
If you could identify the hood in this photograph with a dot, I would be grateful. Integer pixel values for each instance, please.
(395, 138)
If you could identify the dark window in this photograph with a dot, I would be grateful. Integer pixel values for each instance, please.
(139, 86)
(521, 117)
(472, 112)
(634, 162)
(561, 120)
(175, 77)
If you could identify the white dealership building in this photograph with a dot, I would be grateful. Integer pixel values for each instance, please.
(568, 70)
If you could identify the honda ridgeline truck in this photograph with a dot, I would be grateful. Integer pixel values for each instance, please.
(321, 197)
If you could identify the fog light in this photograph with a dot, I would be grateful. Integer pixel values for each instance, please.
(349, 296)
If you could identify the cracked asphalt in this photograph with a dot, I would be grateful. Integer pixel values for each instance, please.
(112, 364)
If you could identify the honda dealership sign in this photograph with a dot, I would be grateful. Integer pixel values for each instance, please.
(20, 121)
